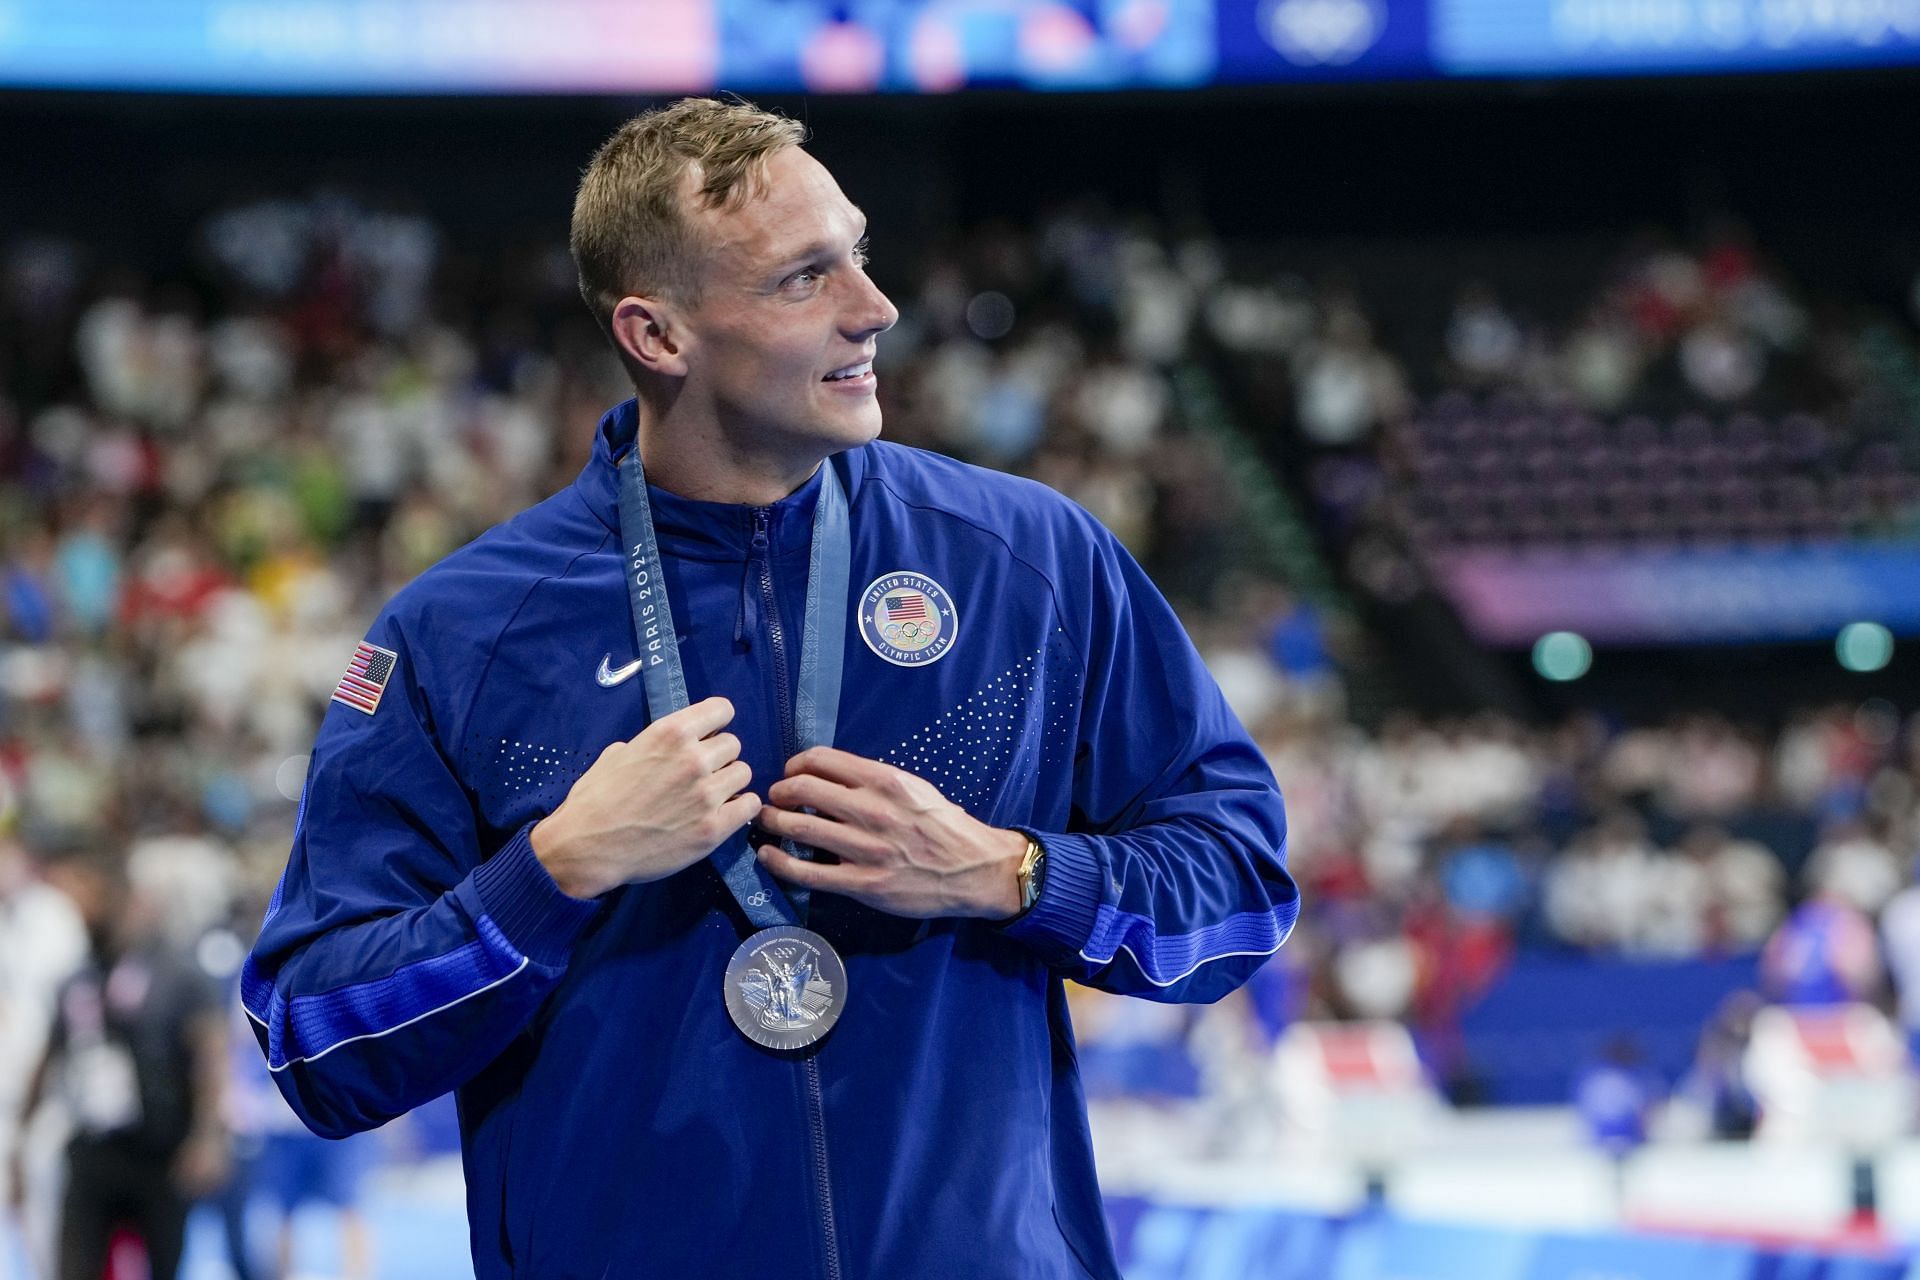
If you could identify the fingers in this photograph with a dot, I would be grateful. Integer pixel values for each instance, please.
(694, 734)
(722, 822)
(849, 842)
(808, 791)
(844, 878)
(738, 812)
(843, 767)
(695, 721)
(718, 750)
(732, 779)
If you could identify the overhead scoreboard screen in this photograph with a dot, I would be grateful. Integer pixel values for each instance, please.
(911, 46)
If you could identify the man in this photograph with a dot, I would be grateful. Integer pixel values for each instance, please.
(42, 942)
(277, 1159)
(1017, 771)
(1900, 944)
(138, 1051)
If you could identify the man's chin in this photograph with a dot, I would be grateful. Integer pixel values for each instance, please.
(823, 435)
(852, 432)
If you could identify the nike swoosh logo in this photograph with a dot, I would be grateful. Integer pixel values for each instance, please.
(608, 677)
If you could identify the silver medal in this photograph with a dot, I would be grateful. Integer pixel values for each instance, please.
(785, 987)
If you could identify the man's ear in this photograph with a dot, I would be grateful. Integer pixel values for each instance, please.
(650, 334)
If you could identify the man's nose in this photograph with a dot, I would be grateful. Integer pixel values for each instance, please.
(873, 312)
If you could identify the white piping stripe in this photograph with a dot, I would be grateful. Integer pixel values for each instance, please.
(1204, 960)
(375, 1035)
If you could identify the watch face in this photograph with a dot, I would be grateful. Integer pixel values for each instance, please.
(1030, 891)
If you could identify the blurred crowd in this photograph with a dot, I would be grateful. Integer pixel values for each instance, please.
(1673, 393)
(1431, 851)
(1438, 856)
(211, 478)
(1655, 324)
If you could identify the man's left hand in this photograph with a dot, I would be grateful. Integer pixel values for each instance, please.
(903, 847)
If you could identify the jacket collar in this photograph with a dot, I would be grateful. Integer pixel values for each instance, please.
(700, 530)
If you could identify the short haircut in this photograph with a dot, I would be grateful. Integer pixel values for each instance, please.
(630, 233)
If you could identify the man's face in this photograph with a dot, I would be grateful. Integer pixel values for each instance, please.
(786, 304)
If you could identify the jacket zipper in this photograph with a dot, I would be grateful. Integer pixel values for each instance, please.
(817, 1125)
(810, 1066)
(776, 632)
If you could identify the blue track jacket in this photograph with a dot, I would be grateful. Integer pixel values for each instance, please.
(614, 1122)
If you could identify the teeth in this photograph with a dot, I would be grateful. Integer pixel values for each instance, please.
(851, 371)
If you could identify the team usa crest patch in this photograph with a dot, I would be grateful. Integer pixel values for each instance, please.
(908, 618)
(366, 679)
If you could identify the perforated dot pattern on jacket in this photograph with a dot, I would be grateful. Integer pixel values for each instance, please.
(512, 771)
(967, 751)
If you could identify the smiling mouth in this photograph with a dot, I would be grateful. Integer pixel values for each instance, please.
(851, 373)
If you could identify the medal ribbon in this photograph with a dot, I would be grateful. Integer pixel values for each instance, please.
(822, 645)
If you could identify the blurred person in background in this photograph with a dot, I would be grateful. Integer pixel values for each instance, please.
(43, 940)
(248, 1101)
(1744, 888)
(1615, 1097)
(1900, 936)
(1484, 342)
(1348, 387)
(1297, 642)
(278, 1159)
(1599, 893)
(1717, 1083)
(1825, 952)
(1855, 863)
(495, 885)
(138, 1055)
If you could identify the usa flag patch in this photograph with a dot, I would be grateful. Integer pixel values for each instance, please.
(366, 679)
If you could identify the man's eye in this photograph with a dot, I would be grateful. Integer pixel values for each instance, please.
(804, 276)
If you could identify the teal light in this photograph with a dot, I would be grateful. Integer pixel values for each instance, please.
(1562, 655)
(1864, 646)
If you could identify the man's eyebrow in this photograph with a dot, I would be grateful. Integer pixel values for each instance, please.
(821, 249)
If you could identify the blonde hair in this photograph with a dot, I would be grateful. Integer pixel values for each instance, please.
(630, 233)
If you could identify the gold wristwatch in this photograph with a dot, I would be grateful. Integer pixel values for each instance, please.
(1032, 875)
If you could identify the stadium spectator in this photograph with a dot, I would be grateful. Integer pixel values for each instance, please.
(1717, 1084)
(1855, 865)
(1601, 892)
(1744, 885)
(43, 941)
(1347, 386)
(291, 1168)
(1602, 361)
(1722, 771)
(1825, 952)
(1484, 342)
(1615, 1097)
(1900, 938)
(137, 1049)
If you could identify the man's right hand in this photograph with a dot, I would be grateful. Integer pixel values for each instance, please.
(651, 805)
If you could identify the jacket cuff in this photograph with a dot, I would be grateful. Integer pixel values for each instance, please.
(1061, 921)
(526, 905)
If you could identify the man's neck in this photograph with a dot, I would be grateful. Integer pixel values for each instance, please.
(709, 471)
